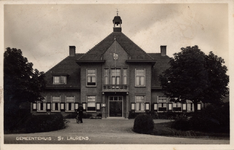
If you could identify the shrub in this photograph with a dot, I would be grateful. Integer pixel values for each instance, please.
(213, 118)
(87, 115)
(43, 123)
(143, 124)
(181, 123)
(14, 120)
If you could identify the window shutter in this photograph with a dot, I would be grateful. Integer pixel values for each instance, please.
(155, 106)
(38, 106)
(53, 106)
(133, 106)
(84, 106)
(62, 106)
(72, 106)
(169, 106)
(147, 106)
(48, 106)
(44, 106)
(198, 106)
(34, 106)
(184, 106)
(98, 106)
(76, 106)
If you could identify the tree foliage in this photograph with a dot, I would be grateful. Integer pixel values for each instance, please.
(22, 83)
(195, 76)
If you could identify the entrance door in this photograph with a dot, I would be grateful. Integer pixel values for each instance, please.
(115, 103)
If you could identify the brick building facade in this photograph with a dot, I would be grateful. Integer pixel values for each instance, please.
(113, 78)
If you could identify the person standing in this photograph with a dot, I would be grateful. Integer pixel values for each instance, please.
(80, 115)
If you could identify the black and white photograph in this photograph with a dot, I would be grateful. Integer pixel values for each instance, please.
(116, 75)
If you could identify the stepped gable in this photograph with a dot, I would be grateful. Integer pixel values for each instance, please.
(162, 63)
(134, 51)
(67, 67)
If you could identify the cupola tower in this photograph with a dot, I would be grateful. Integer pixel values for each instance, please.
(117, 21)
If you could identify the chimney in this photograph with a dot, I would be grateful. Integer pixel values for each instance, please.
(163, 50)
(72, 50)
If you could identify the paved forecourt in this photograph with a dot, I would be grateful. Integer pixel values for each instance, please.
(102, 131)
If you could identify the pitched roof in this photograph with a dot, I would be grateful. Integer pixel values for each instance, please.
(69, 67)
(134, 51)
(162, 63)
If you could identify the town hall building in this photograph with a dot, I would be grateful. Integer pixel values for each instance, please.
(113, 78)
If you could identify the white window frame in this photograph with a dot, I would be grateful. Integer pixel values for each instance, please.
(60, 81)
(177, 105)
(93, 76)
(39, 103)
(91, 101)
(190, 107)
(125, 76)
(162, 99)
(140, 103)
(54, 103)
(138, 78)
(71, 102)
(162, 105)
(106, 76)
(115, 76)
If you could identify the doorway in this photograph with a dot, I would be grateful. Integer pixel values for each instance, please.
(115, 106)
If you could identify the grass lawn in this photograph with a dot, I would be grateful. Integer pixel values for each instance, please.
(164, 129)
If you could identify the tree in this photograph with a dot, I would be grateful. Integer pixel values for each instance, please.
(195, 76)
(218, 79)
(22, 83)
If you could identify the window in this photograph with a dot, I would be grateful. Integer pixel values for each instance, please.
(115, 77)
(106, 76)
(140, 103)
(91, 103)
(41, 107)
(124, 76)
(176, 106)
(70, 100)
(140, 77)
(56, 103)
(91, 77)
(162, 106)
(162, 99)
(59, 80)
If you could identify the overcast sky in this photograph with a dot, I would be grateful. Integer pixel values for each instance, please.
(44, 32)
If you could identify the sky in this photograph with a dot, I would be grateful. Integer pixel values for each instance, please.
(44, 32)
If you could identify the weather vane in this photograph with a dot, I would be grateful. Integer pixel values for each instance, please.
(117, 12)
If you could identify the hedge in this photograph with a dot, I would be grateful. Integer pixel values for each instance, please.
(44, 123)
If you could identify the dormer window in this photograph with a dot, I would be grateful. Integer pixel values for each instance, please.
(59, 79)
